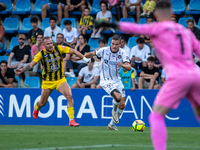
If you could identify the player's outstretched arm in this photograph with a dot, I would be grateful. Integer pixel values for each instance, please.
(77, 53)
(26, 68)
(90, 54)
(130, 28)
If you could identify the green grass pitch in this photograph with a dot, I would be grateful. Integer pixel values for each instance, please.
(91, 138)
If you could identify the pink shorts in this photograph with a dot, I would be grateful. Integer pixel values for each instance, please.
(175, 89)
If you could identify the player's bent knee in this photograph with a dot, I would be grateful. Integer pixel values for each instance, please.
(116, 95)
(68, 96)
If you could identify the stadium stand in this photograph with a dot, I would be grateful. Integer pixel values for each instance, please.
(178, 6)
(198, 23)
(183, 21)
(71, 80)
(22, 7)
(4, 58)
(93, 43)
(38, 6)
(95, 7)
(11, 25)
(5, 45)
(142, 20)
(18, 80)
(33, 82)
(109, 41)
(26, 26)
(127, 20)
(14, 42)
(45, 23)
(193, 7)
(132, 42)
(8, 4)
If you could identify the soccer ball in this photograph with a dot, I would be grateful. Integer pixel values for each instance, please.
(138, 125)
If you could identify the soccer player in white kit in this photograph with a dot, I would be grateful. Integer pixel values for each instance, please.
(174, 47)
(112, 59)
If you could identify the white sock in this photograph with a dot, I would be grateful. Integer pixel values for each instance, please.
(115, 105)
(119, 112)
(111, 122)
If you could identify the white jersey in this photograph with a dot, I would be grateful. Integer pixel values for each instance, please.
(109, 68)
(88, 76)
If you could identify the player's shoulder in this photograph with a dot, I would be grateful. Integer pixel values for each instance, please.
(106, 48)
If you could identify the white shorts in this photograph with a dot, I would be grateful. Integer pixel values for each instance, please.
(15, 62)
(132, 8)
(109, 86)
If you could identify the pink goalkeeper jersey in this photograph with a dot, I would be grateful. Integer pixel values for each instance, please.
(173, 43)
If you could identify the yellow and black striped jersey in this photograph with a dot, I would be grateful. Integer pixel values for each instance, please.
(52, 62)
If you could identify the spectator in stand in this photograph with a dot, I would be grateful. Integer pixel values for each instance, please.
(87, 77)
(2, 6)
(21, 52)
(174, 18)
(83, 48)
(117, 4)
(38, 46)
(86, 21)
(128, 78)
(163, 76)
(32, 34)
(61, 41)
(157, 63)
(74, 5)
(195, 30)
(148, 8)
(7, 76)
(70, 33)
(53, 30)
(1, 36)
(132, 5)
(124, 47)
(103, 14)
(97, 61)
(54, 6)
(139, 54)
(149, 75)
(147, 38)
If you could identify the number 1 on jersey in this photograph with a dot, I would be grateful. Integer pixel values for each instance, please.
(181, 41)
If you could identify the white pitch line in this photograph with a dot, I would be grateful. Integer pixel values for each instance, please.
(107, 145)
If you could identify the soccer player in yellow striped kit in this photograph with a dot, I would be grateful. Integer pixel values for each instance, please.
(53, 75)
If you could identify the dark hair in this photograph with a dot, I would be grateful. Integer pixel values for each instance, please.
(150, 17)
(60, 34)
(151, 58)
(140, 40)
(52, 18)
(190, 20)
(40, 33)
(92, 60)
(4, 61)
(102, 40)
(34, 19)
(67, 22)
(83, 35)
(163, 5)
(103, 2)
(87, 8)
(116, 37)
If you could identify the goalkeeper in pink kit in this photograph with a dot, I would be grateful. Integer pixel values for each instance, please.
(174, 46)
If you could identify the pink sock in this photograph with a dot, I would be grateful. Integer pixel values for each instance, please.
(158, 131)
(198, 119)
